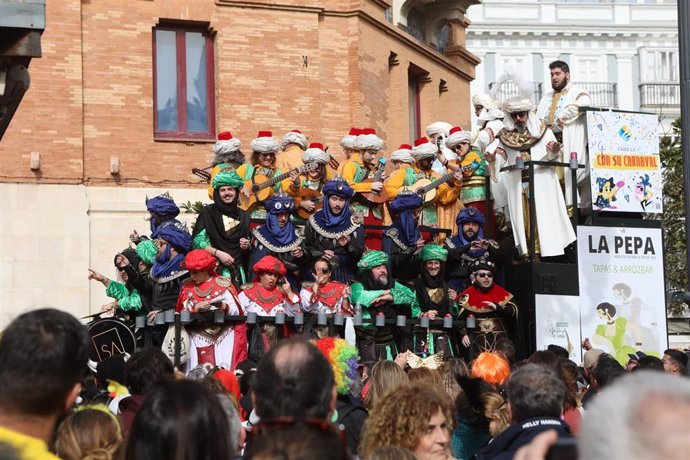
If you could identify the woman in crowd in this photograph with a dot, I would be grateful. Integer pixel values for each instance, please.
(91, 432)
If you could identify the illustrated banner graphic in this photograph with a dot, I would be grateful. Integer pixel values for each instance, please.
(622, 302)
(558, 323)
(625, 168)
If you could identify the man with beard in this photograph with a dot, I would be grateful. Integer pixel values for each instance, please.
(491, 307)
(467, 247)
(222, 229)
(424, 153)
(436, 301)
(310, 182)
(333, 234)
(222, 345)
(377, 293)
(402, 241)
(356, 171)
(528, 138)
(279, 239)
(269, 294)
(227, 156)
(162, 212)
(560, 110)
(293, 145)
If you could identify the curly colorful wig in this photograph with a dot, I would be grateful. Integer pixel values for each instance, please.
(492, 368)
(343, 358)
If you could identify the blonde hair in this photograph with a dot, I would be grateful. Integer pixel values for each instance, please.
(424, 374)
(384, 376)
(402, 416)
(88, 434)
(452, 369)
(496, 409)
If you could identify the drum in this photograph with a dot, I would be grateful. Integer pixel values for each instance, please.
(110, 337)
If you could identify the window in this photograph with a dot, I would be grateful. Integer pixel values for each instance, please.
(416, 77)
(183, 71)
(660, 66)
(587, 69)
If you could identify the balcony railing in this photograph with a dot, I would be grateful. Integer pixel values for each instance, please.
(510, 89)
(602, 94)
(660, 95)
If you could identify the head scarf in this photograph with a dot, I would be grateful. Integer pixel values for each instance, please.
(146, 250)
(434, 252)
(163, 206)
(294, 137)
(458, 136)
(272, 232)
(200, 260)
(348, 142)
(227, 177)
(402, 208)
(469, 214)
(438, 127)
(424, 149)
(226, 144)
(133, 259)
(324, 217)
(264, 143)
(372, 259)
(166, 264)
(315, 153)
(403, 154)
(425, 281)
(368, 140)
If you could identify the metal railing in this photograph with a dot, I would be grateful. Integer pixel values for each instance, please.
(659, 94)
(603, 94)
(510, 89)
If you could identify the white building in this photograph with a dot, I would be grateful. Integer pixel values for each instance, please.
(625, 52)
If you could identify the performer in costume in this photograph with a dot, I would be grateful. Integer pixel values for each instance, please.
(163, 212)
(467, 247)
(402, 157)
(348, 145)
(377, 292)
(293, 145)
(311, 181)
(491, 306)
(560, 110)
(333, 233)
(279, 239)
(424, 153)
(221, 345)
(227, 156)
(436, 300)
(222, 229)
(360, 167)
(263, 163)
(437, 132)
(323, 296)
(127, 297)
(402, 240)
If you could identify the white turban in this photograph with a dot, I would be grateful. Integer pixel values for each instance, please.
(348, 142)
(517, 104)
(294, 137)
(423, 149)
(264, 143)
(368, 140)
(485, 101)
(457, 137)
(403, 154)
(223, 147)
(316, 153)
(521, 104)
(438, 127)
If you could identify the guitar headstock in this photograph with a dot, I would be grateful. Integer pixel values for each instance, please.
(311, 166)
(202, 174)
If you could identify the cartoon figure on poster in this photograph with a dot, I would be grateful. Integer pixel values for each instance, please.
(607, 192)
(644, 192)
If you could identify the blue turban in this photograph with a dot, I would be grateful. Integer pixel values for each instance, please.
(338, 187)
(470, 215)
(405, 202)
(278, 204)
(404, 221)
(162, 205)
(177, 237)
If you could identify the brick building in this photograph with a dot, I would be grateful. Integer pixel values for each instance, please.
(129, 95)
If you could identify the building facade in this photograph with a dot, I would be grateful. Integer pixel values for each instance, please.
(625, 52)
(128, 97)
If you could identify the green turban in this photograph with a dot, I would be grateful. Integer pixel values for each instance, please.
(227, 177)
(372, 259)
(434, 252)
(146, 250)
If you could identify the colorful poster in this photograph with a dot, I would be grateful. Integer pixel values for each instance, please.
(622, 301)
(625, 168)
(558, 323)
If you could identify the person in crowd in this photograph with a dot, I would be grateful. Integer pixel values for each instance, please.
(491, 307)
(294, 439)
(452, 370)
(323, 295)
(675, 361)
(360, 172)
(293, 145)
(416, 416)
(435, 300)
(506, 348)
(384, 375)
(496, 411)
(471, 432)
(222, 228)
(222, 345)
(558, 350)
(379, 294)
(260, 169)
(402, 240)
(468, 247)
(307, 188)
(491, 367)
(181, 419)
(43, 358)
(91, 432)
(651, 363)
(227, 156)
(145, 369)
(535, 398)
(334, 234)
(279, 239)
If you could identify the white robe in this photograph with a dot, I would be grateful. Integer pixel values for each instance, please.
(574, 136)
(312, 305)
(554, 228)
(289, 307)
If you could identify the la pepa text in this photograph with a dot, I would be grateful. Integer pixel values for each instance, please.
(633, 245)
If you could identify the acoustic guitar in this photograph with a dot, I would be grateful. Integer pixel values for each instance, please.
(262, 186)
(372, 198)
(203, 173)
(315, 196)
(427, 188)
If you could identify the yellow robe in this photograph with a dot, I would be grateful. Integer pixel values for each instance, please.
(290, 159)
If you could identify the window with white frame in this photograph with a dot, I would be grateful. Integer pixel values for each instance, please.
(586, 69)
(659, 65)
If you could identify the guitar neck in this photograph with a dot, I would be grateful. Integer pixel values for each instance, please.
(379, 172)
(278, 178)
(434, 184)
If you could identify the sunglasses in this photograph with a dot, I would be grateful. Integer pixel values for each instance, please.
(269, 154)
(519, 114)
(484, 275)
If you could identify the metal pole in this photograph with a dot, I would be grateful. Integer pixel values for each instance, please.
(684, 62)
(532, 217)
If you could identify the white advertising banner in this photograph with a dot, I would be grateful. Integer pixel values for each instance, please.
(622, 301)
(625, 168)
(558, 323)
